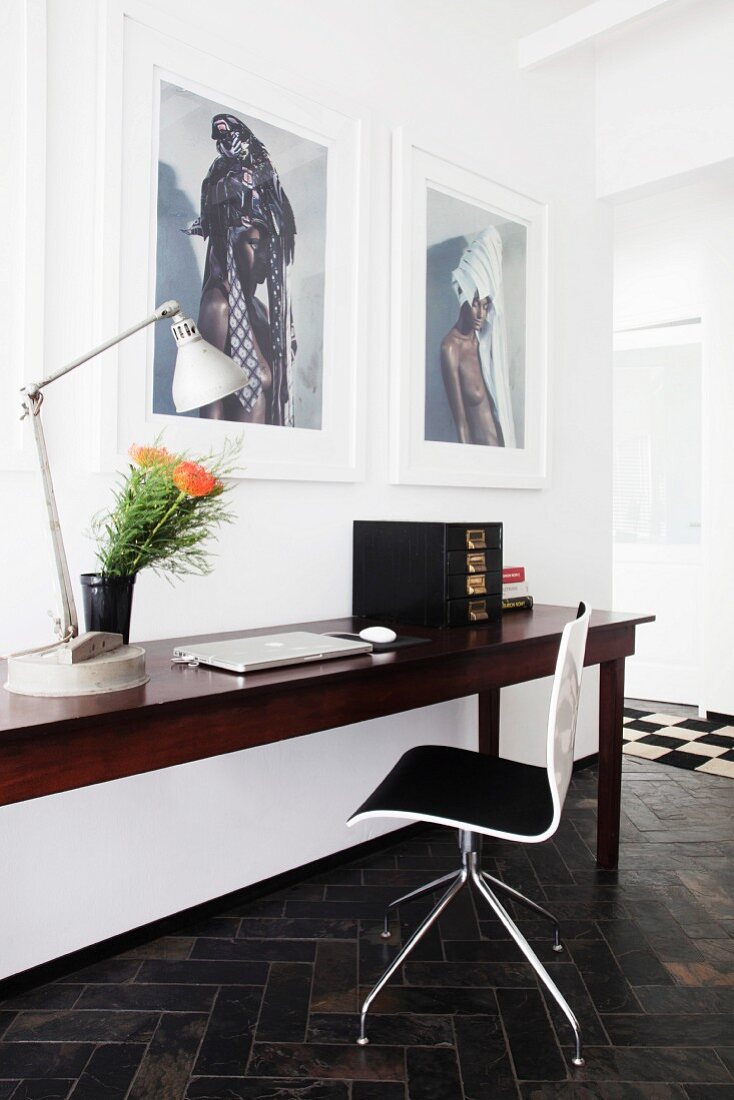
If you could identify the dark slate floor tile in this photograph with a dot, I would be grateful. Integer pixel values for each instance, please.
(726, 1054)
(203, 972)
(396, 1030)
(59, 1060)
(6, 1019)
(648, 1063)
(322, 1060)
(610, 991)
(530, 1035)
(335, 977)
(83, 1026)
(298, 928)
(41, 1089)
(226, 1046)
(161, 998)
(496, 950)
(7, 1088)
(109, 1072)
(636, 959)
(630, 1090)
(684, 999)
(428, 1001)
(573, 988)
(167, 947)
(433, 1074)
(166, 1066)
(213, 928)
(285, 1005)
(339, 910)
(710, 1092)
(484, 1062)
(669, 1031)
(45, 996)
(378, 1090)
(510, 975)
(109, 970)
(269, 1088)
(459, 920)
(268, 950)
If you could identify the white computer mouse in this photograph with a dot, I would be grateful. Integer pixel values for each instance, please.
(380, 635)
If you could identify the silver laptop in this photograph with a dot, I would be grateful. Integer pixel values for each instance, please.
(270, 650)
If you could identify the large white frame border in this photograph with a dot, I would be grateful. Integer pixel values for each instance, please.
(24, 213)
(138, 47)
(413, 459)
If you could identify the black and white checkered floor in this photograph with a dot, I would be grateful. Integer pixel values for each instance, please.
(692, 743)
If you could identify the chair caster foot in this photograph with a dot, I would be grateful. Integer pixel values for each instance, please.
(578, 1061)
(363, 1041)
(558, 947)
(385, 935)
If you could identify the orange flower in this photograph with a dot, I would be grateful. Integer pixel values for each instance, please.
(195, 480)
(150, 456)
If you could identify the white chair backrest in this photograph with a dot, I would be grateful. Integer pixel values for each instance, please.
(564, 708)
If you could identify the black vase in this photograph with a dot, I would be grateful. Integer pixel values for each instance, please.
(107, 603)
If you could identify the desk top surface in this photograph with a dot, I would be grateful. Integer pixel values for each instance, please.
(175, 685)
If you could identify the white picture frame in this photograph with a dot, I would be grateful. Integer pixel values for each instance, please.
(24, 203)
(421, 172)
(140, 52)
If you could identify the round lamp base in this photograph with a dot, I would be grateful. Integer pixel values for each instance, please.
(44, 674)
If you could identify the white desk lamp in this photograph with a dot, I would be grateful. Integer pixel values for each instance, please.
(86, 664)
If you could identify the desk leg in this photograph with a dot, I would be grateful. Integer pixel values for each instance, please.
(611, 703)
(489, 722)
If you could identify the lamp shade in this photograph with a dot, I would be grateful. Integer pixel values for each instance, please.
(203, 373)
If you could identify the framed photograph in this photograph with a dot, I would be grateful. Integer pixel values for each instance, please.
(242, 199)
(469, 362)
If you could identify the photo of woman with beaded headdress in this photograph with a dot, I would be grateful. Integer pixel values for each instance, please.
(258, 208)
(475, 324)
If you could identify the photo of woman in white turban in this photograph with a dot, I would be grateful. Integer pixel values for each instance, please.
(474, 356)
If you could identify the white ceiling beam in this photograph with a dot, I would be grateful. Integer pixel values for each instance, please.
(581, 28)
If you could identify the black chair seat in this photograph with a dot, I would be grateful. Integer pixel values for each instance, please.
(475, 791)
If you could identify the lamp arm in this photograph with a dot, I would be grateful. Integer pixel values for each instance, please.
(168, 309)
(68, 625)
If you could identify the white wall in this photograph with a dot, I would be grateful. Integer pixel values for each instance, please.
(112, 857)
(663, 96)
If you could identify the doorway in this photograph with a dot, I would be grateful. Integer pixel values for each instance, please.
(657, 504)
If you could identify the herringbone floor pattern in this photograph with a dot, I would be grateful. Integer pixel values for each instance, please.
(261, 1001)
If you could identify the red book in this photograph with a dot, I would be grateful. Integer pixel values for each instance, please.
(513, 574)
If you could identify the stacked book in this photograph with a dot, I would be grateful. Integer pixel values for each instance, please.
(515, 595)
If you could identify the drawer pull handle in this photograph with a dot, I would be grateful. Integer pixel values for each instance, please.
(476, 584)
(476, 563)
(477, 610)
(475, 539)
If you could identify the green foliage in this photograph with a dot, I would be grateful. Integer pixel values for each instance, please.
(155, 524)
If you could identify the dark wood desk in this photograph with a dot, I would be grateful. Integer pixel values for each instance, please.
(185, 714)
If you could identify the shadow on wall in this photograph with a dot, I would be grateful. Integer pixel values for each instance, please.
(441, 260)
(177, 277)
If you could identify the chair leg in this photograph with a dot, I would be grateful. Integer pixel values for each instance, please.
(459, 881)
(532, 958)
(427, 889)
(530, 904)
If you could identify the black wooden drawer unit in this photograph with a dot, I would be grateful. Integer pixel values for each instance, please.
(430, 574)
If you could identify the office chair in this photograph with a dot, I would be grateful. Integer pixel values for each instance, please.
(487, 796)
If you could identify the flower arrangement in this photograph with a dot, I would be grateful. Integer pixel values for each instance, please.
(165, 509)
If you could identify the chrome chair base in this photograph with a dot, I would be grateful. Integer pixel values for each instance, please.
(470, 871)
